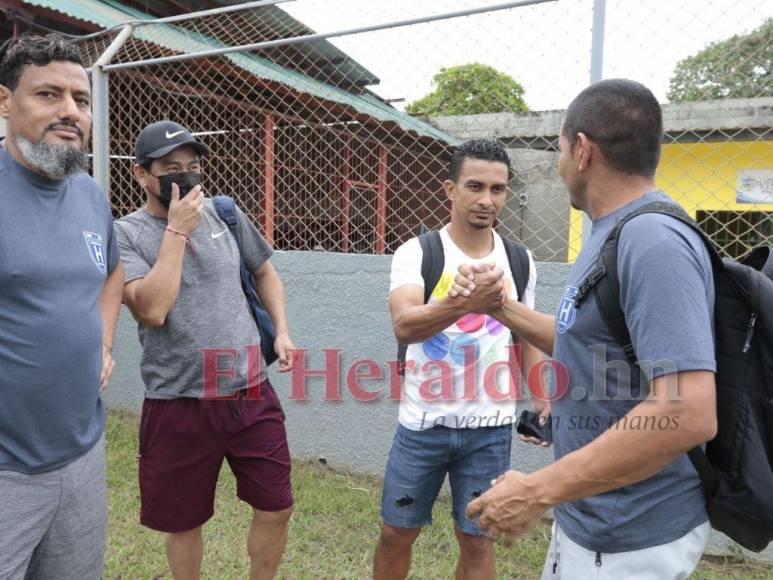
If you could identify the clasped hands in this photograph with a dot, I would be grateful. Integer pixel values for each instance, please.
(481, 286)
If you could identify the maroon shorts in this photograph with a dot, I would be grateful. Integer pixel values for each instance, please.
(182, 446)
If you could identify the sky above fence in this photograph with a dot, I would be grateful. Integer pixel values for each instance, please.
(533, 44)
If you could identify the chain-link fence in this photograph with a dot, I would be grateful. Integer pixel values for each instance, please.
(331, 144)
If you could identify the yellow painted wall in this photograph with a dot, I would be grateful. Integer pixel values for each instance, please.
(700, 176)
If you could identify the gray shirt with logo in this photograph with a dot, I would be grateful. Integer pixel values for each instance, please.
(210, 319)
(56, 249)
(667, 295)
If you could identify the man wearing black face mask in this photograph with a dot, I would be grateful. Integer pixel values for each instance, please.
(200, 344)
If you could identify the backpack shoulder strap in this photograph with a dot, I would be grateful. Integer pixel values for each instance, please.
(518, 259)
(604, 279)
(433, 260)
(225, 208)
(226, 211)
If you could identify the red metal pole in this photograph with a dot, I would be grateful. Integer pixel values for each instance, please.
(347, 188)
(381, 202)
(269, 159)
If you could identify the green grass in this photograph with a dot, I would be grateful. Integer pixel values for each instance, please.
(332, 534)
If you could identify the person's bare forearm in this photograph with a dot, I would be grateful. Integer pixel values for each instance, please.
(421, 322)
(535, 327)
(110, 304)
(272, 294)
(531, 357)
(156, 293)
(651, 436)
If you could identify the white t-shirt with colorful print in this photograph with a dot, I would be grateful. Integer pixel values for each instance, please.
(460, 377)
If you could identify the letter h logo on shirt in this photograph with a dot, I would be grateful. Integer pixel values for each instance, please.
(96, 250)
(566, 310)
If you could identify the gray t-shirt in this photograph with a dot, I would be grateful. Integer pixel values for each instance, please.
(211, 314)
(56, 249)
(667, 295)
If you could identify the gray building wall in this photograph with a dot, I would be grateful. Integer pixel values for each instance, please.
(339, 301)
(544, 204)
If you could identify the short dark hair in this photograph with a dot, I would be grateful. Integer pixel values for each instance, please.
(37, 50)
(624, 118)
(478, 149)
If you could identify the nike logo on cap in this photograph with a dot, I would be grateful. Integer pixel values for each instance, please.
(175, 134)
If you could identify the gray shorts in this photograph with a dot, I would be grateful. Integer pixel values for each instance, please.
(567, 560)
(53, 524)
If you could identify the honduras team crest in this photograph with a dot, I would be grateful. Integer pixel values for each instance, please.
(96, 250)
(566, 310)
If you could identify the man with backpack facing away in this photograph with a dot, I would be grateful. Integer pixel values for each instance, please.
(627, 500)
(456, 415)
(201, 343)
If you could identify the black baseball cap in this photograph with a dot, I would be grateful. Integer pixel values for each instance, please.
(163, 137)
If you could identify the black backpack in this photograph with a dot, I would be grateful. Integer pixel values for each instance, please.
(226, 211)
(433, 260)
(737, 465)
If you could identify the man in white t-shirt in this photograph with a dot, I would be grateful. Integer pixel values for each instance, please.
(460, 385)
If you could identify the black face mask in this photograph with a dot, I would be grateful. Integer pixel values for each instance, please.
(185, 181)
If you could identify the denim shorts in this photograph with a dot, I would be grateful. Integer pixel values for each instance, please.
(418, 463)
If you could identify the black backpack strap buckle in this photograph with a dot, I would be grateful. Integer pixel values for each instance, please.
(630, 353)
(590, 282)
